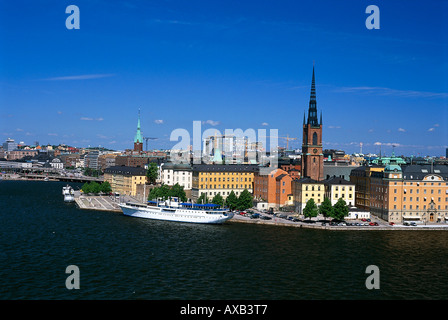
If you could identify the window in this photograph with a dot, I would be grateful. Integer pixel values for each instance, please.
(315, 138)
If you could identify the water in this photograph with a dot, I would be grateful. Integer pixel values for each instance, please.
(124, 258)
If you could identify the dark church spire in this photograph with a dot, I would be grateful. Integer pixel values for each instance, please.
(312, 110)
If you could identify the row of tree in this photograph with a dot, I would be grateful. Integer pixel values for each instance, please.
(243, 202)
(166, 192)
(338, 211)
(95, 187)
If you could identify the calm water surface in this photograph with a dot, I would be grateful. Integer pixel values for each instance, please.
(121, 257)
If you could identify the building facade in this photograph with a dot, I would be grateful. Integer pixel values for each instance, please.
(181, 174)
(213, 179)
(125, 180)
(337, 188)
(312, 156)
(273, 188)
(304, 189)
(410, 193)
(360, 177)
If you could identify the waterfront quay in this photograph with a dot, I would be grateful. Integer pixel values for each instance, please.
(110, 203)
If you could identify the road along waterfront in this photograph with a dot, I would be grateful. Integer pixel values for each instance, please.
(110, 203)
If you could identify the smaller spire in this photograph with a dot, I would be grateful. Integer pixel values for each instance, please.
(321, 117)
(304, 117)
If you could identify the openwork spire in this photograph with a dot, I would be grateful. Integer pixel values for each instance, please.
(312, 110)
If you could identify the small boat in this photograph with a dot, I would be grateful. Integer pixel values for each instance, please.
(69, 195)
(173, 210)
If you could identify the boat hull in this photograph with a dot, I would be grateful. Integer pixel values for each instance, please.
(177, 215)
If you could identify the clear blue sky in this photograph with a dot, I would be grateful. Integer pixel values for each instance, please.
(231, 64)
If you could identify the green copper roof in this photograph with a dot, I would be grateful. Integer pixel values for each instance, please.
(138, 135)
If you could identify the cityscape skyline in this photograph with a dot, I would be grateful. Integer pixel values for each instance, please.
(228, 65)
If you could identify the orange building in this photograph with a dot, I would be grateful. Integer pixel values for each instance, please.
(410, 193)
(274, 188)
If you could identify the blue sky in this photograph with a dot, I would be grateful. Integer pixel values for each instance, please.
(230, 64)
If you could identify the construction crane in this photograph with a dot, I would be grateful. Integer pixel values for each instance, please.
(148, 138)
(287, 139)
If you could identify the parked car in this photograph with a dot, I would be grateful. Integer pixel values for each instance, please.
(405, 223)
(265, 218)
(391, 223)
(413, 224)
(255, 216)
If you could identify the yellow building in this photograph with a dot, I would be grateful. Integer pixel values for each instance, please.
(304, 189)
(213, 179)
(124, 180)
(337, 188)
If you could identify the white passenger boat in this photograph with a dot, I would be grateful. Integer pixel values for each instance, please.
(68, 193)
(173, 210)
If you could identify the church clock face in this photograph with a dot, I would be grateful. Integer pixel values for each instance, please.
(315, 150)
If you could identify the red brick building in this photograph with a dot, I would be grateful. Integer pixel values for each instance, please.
(274, 188)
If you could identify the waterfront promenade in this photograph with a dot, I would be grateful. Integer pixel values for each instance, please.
(110, 203)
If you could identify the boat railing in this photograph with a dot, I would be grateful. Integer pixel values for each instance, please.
(186, 205)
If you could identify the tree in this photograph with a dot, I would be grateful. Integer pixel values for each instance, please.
(95, 187)
(178, 191)
(310, 210)
(340, 209)
(86, 188)
(218, 200)
(159, 192)
(245, 200)
(152, 173)
(105, 187)
(232, 201)
(92, 187)
(326, 209)
(202, 199)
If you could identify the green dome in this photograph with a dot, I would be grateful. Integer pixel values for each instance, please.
(392, 168)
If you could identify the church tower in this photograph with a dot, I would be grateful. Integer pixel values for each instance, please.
(138, 140)
(312, 156)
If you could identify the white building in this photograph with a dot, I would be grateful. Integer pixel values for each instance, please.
(171, 174)
(357, 214)
(56, 163)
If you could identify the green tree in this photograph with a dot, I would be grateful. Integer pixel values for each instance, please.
(310, 210)
(245, 200)
(326, 209)
(152, 173)
(159, 192)
(340, 209)
(232, 201)
(86, 188)
(218, 199)
(202, 199)
(178, 191)
(95, 187)
(105, 187)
